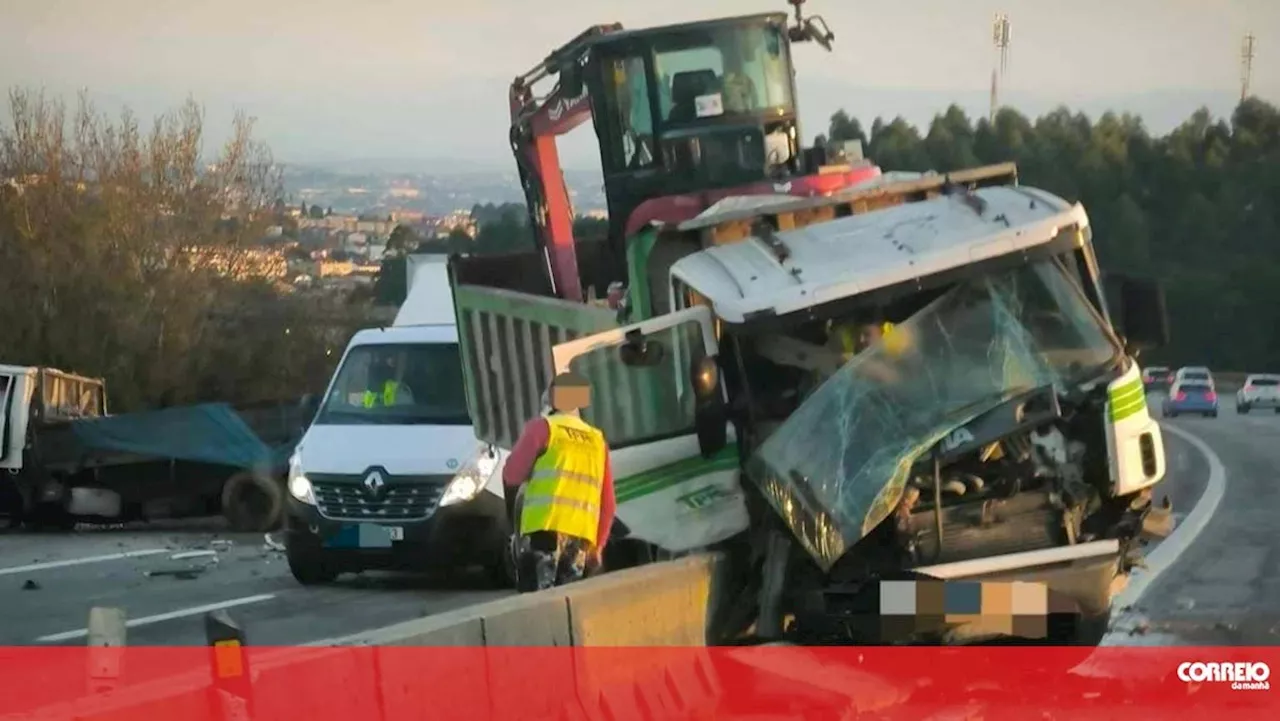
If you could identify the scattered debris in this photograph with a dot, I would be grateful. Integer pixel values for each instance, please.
(1140, 629)
(183, 574)
(272, 544)
(1186, 604)
(195, 554)
(221, 544)
(30, 585)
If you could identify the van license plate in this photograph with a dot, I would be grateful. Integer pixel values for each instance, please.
(365, 535)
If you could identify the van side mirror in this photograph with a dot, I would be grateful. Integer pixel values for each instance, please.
(710, 418)
(1138, 309)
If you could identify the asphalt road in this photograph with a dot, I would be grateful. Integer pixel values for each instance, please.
(1224, 588)
(1218, 581)
(47, 603)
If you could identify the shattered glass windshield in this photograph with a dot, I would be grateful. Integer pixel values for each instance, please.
(838, 466)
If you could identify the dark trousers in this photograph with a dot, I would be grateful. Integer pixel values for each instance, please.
(547, 559)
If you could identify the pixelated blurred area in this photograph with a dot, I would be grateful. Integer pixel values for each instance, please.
(935, 611)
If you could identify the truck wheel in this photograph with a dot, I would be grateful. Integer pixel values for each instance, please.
(1242, 409)
(306, 562)
(252, 503)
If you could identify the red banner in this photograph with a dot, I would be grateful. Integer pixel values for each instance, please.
(640, 684)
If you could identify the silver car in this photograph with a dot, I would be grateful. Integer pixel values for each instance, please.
(1260, 390)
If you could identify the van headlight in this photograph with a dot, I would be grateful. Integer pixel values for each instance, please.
(299, 485)
(472, 479)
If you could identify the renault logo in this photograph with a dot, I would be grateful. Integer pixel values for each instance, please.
(374, 483)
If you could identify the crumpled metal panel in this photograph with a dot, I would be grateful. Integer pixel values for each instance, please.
(839, 465)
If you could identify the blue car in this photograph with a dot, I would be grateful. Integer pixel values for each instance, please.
(1189, 396)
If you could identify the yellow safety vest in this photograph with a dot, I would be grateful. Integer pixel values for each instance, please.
(388, 395)
(849, 340)
(563, 494)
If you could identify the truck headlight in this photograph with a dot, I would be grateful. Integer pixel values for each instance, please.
(472, 479)
(299, 485)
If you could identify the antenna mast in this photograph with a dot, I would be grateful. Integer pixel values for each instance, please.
(1001, 34)
(1246, 65)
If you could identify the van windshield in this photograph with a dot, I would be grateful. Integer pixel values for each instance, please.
(398, 384)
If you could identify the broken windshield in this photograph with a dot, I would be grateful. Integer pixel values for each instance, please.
(838, 466)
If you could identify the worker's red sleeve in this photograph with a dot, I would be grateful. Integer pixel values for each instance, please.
(608, 505)
(531, 444)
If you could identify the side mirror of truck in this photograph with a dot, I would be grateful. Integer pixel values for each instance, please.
(710, 417)
(640, 351)
(1138, 308)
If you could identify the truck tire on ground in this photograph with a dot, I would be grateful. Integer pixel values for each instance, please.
(252, 503)
(306, 560)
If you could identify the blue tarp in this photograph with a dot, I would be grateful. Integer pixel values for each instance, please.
(208, 433)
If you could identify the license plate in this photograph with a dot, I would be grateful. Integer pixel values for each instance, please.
(366, 535)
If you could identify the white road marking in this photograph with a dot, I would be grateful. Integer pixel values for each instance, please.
(79, 561)
(1186, 531)
(180, 613)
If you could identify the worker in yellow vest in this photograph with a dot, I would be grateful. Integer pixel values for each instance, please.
(569, 502)
(384, 396)
(853, 338)
(384, 389)
(849, 338)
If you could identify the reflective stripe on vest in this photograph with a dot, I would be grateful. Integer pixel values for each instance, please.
(388, 395)
(563, 494)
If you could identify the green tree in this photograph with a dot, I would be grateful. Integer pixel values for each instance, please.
(402, 240)
(844, 127)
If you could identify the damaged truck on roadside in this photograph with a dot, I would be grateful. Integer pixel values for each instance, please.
(998, 432)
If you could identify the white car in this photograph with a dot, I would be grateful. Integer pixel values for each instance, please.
(1198, 374)
(1260, 390)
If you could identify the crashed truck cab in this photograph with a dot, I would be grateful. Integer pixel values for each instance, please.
(1000, 432)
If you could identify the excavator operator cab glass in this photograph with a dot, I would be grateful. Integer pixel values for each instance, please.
(725, 102)
(722, 71)
(695, 106)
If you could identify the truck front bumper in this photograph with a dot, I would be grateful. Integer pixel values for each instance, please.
(475, 532)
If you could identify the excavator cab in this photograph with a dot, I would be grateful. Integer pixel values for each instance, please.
(685, 115)
(692, 107)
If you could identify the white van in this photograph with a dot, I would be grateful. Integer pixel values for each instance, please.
(389, 475)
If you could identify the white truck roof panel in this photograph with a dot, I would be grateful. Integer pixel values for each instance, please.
(430, 299)
(861, 253)
(438, 333)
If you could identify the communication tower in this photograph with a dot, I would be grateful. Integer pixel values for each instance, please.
(1001, 34)
(1246, 65)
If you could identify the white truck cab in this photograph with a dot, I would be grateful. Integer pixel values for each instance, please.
(389, 474)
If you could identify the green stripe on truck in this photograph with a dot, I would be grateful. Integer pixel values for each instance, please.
(663, 477)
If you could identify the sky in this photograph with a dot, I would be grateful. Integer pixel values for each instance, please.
(427, 79)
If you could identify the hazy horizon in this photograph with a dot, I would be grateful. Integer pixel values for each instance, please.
(402, 79)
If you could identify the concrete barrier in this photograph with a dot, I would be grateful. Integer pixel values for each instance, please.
(660, 604)
(667, 604)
